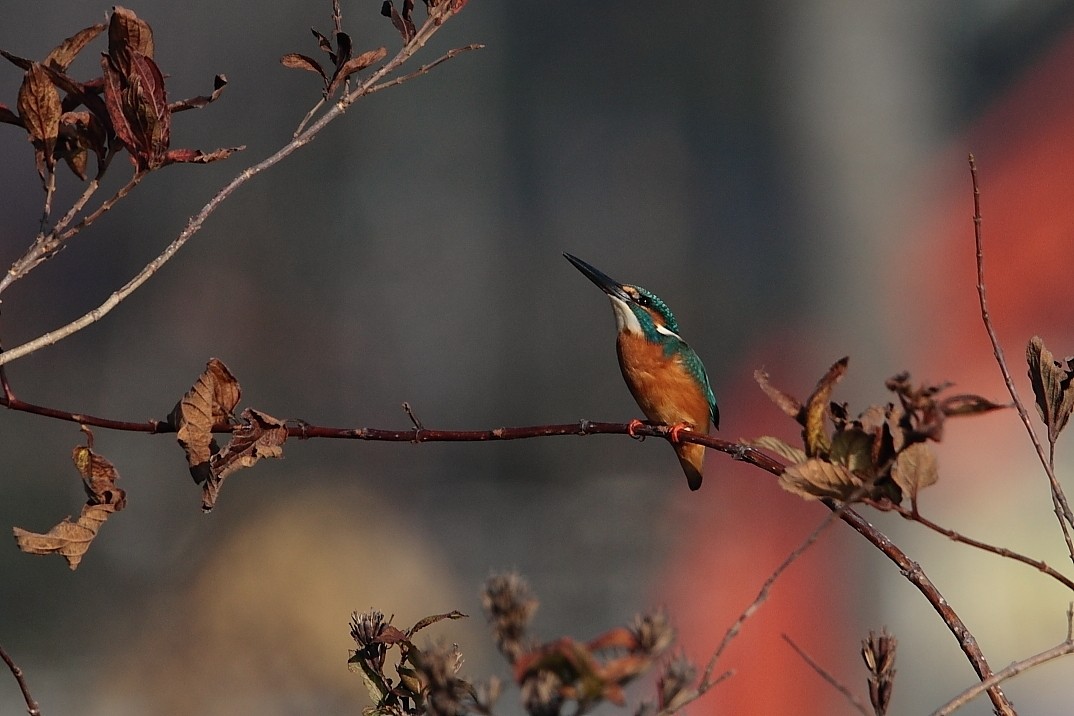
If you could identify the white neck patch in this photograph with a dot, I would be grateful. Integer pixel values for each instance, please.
(625, 320)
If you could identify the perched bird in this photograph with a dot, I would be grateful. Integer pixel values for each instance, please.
(663, 373)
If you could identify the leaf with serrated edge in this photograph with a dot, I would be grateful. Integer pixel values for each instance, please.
(815, 479)
(209, 401)
(780, 447)
(259, 436)
(1051, 387)
(915, 469)
(814, 434)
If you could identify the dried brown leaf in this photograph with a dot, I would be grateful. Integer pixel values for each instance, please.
(787, 403)
(138, 107)
(391, 634)
(99, 477)
(788, 452)
(72, 539)
(40, 110)
(299, 61)
(404, 23)
(814, 433)
(209, 401)
(357, 64)
(915, 469)
(853, 448)
(1051, 387)
(64, 54)
(815, 479)
(259, 436)
(968, 404)
(433, 619)
(219, 83)
(196, 156)
(129, 33)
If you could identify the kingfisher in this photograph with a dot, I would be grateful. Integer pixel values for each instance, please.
(664, 374)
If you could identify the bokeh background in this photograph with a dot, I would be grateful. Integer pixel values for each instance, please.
(789, 177)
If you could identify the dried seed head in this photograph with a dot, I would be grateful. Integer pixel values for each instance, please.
(878, 651)
(653, 632)
(542, 694)
(509, 606)
(365, 628)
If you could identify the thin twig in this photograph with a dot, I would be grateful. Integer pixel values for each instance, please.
(1001, 551)
(433, 23)
(827, 676)
(32, 707)
(46, 245)
(424, 68)
(50, 192)
(105, 206)
(1061, 649)
(762, 596)
(1059, 499)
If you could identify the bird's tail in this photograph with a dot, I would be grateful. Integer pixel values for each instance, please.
(691, 457)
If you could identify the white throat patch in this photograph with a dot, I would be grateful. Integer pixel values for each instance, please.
(625, 320)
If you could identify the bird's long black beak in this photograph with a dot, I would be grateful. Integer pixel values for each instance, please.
(604, 282)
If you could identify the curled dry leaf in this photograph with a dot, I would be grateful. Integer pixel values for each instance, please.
(816, 410)
(815, 479)
(209, 401)
(259, 436)
(787, 403)
(196, 156)
(219, 83)
(433, 619)
(1051, 381)
(404, 21)
(72, 539)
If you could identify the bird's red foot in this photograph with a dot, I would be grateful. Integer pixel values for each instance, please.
(675, 431)
(632, 427)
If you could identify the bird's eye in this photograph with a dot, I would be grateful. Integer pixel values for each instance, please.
(643, 300)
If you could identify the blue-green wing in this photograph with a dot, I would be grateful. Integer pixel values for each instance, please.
(697, 370)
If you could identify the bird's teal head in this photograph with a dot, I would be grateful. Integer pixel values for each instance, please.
(637, 310)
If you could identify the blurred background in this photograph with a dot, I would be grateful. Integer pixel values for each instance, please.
(789, 177)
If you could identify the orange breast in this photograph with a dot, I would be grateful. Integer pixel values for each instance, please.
(664, 389)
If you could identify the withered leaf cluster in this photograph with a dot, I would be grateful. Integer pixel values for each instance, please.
(209, 405)
(553, 674)
(73, 539)
(425, 681)
(880, 455)
(126, 107)
(1051, 380)
(343, 63)
(404, 20)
